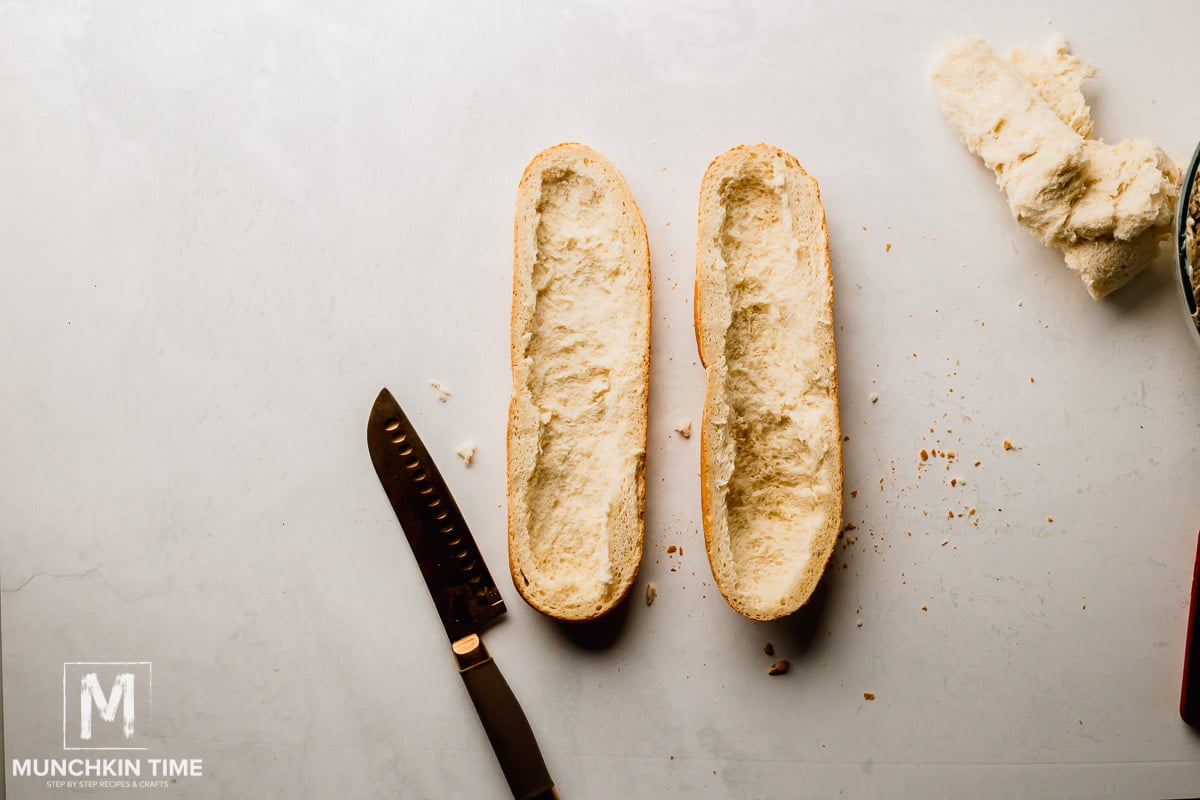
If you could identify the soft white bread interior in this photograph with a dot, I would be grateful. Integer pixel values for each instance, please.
(770, 453)
(1105, 206)
(580, 366)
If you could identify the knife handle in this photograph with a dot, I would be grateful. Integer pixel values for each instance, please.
(1189, 701)
(505, 723)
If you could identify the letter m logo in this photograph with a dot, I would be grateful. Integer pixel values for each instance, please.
(105, 705)
(91, 694)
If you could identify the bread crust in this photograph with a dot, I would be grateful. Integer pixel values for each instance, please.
(625, 572)
(732, 160)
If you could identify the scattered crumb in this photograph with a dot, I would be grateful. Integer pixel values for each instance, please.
(924, 608)
(977, 463)
(1008, 445)
(868, 695)
(466, 451)
(1031, 380)
(1020, 303)
(924, 455)
(1083, 606)
(864, 227)
(443, 392)
(970, 512)
(1049, 519)
(858, 624)
(769, 649)
(671, 548)
(684, 429)
(854, 492)
(874, 397)
(887, 247)
(780, 667)
(954, 481)
(949, 514)
(651, 593)
(945, 542)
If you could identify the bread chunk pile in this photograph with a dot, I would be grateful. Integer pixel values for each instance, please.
(1106, 207)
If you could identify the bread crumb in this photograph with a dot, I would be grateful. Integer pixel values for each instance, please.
(945, 542)
(780, 667)
(864, 227)
(977, 463)
(954, 481)
(970, 512)
(1031, 380)
(671, 548)
(949, 514)
(651, 593)
(1049, 519)
(854, 492)
(443, 392)
(1008, 445)
(769, 648)
(684, 429)
(868, 695)
(924, 608)
(924, 455)
(874, 397)
(858, 624)
(887, 247)
(466, 451)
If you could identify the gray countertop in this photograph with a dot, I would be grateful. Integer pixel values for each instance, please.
(224, 231)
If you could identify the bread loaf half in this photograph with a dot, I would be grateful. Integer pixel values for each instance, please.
(580, 367)
(770, 451)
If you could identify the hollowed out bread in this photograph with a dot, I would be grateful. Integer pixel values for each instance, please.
(770, 452)
(580, 366)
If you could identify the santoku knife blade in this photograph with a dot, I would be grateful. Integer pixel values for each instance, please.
(461, 586)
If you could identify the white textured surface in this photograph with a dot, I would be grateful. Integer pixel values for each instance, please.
(224, 231)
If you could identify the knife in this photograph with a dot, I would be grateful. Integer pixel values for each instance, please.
(461, 586)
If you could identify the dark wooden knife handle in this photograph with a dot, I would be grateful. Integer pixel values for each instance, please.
(505, 723)
(1189, 701)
